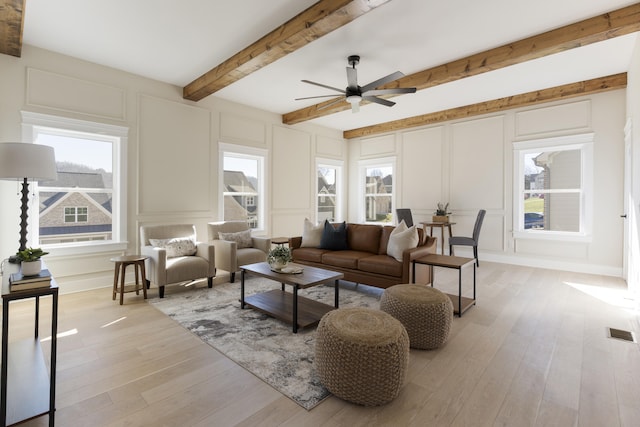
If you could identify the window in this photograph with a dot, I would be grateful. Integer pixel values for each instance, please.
(85, 205)
(376, 187)
(328, 190)
(554, 186)
(75, 214)
(242, 178)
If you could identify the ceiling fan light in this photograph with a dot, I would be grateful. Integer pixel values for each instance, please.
(354, 99)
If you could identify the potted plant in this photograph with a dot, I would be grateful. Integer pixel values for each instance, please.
(31, 264)
(442, 213)
(279, 256)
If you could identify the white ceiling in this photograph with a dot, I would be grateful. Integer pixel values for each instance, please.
(176, 42)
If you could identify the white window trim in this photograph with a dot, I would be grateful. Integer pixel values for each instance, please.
(224, 147)
(339, 166)
(583, 142)
(32, 123)
(362, 166)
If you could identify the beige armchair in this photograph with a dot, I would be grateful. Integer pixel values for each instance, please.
(175, 255)
(236, 247)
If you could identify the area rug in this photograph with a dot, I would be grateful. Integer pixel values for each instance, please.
(264, 346)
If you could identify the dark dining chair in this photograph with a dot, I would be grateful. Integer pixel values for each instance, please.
(404, 214)
(469, 241)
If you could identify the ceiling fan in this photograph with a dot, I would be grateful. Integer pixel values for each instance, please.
(353, 94)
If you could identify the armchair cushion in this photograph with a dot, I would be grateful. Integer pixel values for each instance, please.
(242, 238)
(180, 246)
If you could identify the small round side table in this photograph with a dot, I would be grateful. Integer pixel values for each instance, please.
(121, 266)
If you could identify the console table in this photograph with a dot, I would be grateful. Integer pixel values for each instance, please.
(27, 390)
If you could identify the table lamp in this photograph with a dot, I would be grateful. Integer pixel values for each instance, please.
(26, 162)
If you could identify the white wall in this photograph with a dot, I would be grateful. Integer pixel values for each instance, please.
(173, 174)
(172, 157)
(633, 195)
(469, 164)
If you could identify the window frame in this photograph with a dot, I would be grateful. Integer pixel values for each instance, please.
(363, 165)
(76, 214)
(33, 124)
(582, 142)
(250, 153)
(338, 165)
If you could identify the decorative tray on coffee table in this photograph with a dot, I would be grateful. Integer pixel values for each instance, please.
(289, 269)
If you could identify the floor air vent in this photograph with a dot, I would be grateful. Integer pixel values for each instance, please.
(621, 335)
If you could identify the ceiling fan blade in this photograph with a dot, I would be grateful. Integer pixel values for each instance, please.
(312, 97)
(331, 103)
(376, 92)
(325, 86)
(380, 101)
(352, 77)
(384, 80)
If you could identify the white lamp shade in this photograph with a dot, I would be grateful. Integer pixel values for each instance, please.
(33, 161)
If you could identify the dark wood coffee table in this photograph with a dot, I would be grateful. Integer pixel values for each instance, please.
(297, 310)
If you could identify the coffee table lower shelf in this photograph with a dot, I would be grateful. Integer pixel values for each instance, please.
(279, 304)
(466, 303)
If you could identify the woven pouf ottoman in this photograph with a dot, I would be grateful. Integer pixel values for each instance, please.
(362, 355)
(425, 312)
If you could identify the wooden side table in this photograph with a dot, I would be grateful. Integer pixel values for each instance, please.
(121, 266)
(442, 225)
(280, 240)
(460, 303)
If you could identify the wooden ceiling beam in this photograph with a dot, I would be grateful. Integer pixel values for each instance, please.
(11, 26)
(603, 84)
(599, 28)
(309, 25)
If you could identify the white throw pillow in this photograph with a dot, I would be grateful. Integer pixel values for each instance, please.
(311, 234)
(180, 246)
(242, 238)
(401, 239)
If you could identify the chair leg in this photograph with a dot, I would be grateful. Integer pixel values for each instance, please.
(233, 277)
(210, 282)
(161, 291)
(450, 250)
(475, 254)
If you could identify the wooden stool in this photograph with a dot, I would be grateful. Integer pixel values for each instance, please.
(121, 266)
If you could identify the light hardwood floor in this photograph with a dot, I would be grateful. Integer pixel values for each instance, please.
(532, 352)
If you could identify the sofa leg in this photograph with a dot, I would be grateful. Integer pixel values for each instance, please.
(233, 277)
(210, 282)
(161, 291)
(148, 284)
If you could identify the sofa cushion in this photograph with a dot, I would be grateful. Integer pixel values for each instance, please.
(380, 264)
(308, 254)
(344, 259)
(384, 239)
(334, 238)
(364, 237)
(401, 239)
(242, 238)
(311, 234)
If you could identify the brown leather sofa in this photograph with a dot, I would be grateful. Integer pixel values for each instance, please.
(366, 260)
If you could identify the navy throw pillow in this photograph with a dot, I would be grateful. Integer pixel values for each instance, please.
(334, 238)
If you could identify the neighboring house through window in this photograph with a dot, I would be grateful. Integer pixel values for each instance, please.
(242, 176)
(377, 191)
(329, 189)
(554, 183)
(85, 205)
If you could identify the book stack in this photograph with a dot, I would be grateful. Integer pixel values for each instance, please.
(20, 282)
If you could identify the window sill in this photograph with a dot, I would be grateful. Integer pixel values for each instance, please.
(84, 248)
(552, 236)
